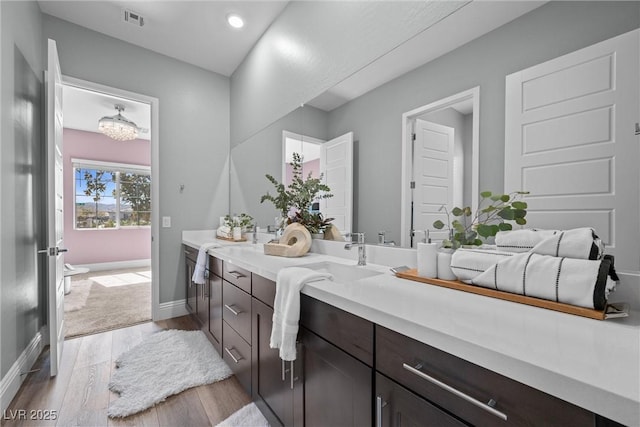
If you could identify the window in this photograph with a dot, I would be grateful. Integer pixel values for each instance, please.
(111, 195)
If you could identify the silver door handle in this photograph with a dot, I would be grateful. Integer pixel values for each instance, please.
(52, 251)
(455, 391)
(379, 405)
(235, 359)
(235, 312)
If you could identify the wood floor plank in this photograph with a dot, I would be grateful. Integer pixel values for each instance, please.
(40, 391)
(184, 409)
(95, 349)
(87, 397)
(223, 398)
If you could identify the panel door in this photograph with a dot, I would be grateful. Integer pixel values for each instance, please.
(433, 161)
(570, 141)
(336, 163)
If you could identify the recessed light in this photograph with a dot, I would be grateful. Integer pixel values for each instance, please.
(235, 20)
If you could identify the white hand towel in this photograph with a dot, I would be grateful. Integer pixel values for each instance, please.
(468, 263)
(201, 263)
(286, 308)
(581, 282)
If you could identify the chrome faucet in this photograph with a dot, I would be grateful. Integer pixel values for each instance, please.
(362, 254)
(255, 234)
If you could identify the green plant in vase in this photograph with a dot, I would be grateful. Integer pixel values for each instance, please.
(294, 201)
(469, 228)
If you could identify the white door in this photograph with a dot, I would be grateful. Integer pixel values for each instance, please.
(433, 175)
(55, 219)
(570, 141)
(336, 163)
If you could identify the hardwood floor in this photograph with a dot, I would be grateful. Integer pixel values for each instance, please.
(79, 395)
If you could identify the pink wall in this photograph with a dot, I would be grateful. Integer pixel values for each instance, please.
(98, 246)
(312, 166)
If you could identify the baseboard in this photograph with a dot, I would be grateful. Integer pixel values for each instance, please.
(171, 309)
(11, 382)
(116, 265)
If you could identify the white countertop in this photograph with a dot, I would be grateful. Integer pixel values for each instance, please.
(593, 364)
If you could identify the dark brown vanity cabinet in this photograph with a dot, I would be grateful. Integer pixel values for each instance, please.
(190, 256)
(474, 394)
(214, 323)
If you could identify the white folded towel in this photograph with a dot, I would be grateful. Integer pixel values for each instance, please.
(468, 263)
(521, 240)
(224, 231)
(581, 282)
(286, 307)
(201, 263)
(581, 243)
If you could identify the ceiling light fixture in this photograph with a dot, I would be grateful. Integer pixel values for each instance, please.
(235, 20)
(118, 127)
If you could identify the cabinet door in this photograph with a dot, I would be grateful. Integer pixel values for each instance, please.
(192, 288)
(271, 383)
(337, 386)
(215, 310)
(396, 406)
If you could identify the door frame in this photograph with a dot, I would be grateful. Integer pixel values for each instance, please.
(408, 118)
(155, 175)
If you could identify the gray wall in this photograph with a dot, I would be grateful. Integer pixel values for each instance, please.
(314, 45)
(22, 300)
(194, 130)
(550, 31)
(262, 154)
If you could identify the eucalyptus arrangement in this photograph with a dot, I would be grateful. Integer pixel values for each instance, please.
(468, 227)
(294, 201)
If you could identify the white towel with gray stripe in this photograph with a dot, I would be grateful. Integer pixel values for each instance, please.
(468, 263)
(286, 307)
(580, 282)
(580, 243)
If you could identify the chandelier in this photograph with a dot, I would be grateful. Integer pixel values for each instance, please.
(118, 127)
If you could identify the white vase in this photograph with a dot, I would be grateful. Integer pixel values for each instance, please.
(237, 233)
(444, 264)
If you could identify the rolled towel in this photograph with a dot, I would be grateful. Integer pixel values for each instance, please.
(224, 232)
(468, 263)
(580, 282)
(582, 243)
(521, 240)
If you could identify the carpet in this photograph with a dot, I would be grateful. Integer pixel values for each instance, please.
(164, 364)
(91, 307)
(247, 416)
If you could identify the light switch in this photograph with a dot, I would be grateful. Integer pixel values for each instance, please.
(166, 222)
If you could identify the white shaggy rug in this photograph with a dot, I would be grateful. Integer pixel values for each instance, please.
(164, 364)
(247, 416)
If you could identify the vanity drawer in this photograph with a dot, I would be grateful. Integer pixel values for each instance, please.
(236, 275)
(349, 332)
(237, 353)
(215, 265)
(190, 253)
(410, 362)
(236, 310)
(263, 289)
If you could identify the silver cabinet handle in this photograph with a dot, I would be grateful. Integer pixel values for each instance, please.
(379, 405)
(292, 362)
(235, 312)
(235, 359)
(236, 274)
(283, 375)
(464, 396)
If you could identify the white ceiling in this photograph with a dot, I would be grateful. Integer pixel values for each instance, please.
(196, 32)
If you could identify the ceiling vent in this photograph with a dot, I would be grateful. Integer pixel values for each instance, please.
(132, 17)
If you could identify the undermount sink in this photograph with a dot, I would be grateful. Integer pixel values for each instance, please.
(343, 273)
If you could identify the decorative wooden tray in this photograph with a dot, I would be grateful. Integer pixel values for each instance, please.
(229, 239)
(609, 312)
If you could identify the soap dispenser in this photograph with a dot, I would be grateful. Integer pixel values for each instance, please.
(427, 257)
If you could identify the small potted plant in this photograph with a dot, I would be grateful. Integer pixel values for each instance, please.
(467, 227)
(294, 201)
(238, 224)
